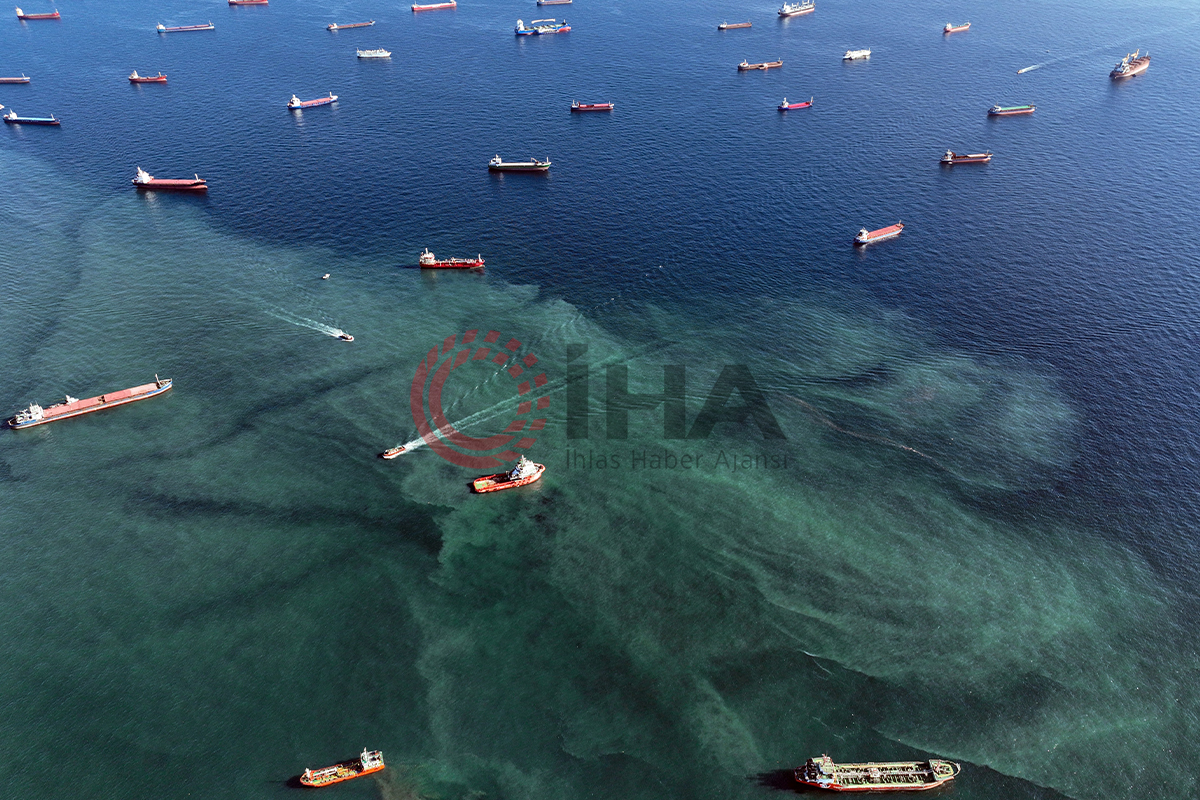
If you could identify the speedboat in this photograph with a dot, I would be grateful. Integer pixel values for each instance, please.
(345, 337)
(392, 452)
(325, 277)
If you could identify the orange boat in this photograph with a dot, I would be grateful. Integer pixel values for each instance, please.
(392, 452)
(368, 761)
(525, 472)
(868, 237)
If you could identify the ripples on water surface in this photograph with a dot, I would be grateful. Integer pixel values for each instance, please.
(982, 548)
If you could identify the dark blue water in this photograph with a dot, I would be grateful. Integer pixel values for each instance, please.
(983, 547)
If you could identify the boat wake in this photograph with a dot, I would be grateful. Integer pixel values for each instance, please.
(304, 322)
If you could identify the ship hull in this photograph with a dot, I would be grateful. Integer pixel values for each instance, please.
(593, 107)
(554, 2)
(97, 403)
(797, 13)
(894, 776)
(30, 121)
(187, 28)
(14, 80)
(500, 481)
(956, 28)
(340, 778)
(1136, 69)
(470, 264)
(324, 101)
(833, 787)
(434, 6)
(883, 234)
(55, 15)
(164, 185)
(973, 158)
(155, 79)
(1011, 113)
(517, 168)
(766, 65)
(336, 27)
(727, 27)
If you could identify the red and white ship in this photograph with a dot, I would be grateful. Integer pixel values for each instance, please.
(429, 261)
(144, 180)
(952, 157)
(367, 762)
(72, 407)
(950, 28)
(1130, 65)
(591, 106)
(135, 78)
(525, 472)
(434, 6)
(22, 15)
(296, 102)
(786, 106)
(247, 2)
(870, 237)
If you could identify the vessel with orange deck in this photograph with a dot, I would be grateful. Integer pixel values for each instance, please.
(367, 762)
(72, 407)
(135, 78)
(870, 237)
(429, 261)
(525, 472)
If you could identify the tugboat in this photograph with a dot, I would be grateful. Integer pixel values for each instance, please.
(429, 261)
(377, 53)
(870, 237)
(497, 164)
(525, 472)
(71, 407)
(180, 28)
(22, 15)
(1130, 65)
(786, 106)
(144, 180)
(891, 776)
(435, 6)
(368, 761)
(795, 9)
(296, 102)
(336, 27)
(1010, 111)
(725, 26)
(391, 452)
(745, 66)
(956, 28)
(952, 157)
(853, 55)
(575, 106)
(11, 118)
(540, 27)
(135, 78)
(21, 79)
(345, 337)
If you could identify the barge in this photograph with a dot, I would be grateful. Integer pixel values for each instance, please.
(745, 66)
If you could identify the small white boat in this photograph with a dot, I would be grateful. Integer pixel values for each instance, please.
(345, 337)
(853, 55)
(325, 277)
(377, 53)
(795, 9)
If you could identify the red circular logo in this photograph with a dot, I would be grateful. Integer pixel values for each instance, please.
(440, 434)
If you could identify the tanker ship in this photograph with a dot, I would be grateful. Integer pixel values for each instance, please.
(891, 776)
(367, 762)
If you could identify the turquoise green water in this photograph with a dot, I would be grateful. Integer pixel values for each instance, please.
(211, 590)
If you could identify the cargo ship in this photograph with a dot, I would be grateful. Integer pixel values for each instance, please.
(22, 15)
(591, 106)
(296, 103)
(786, 106)
(11, 118)
(71, 407)
(540, 27)
(392, 452)
(795, 9)
(725, 26)
(135, 78)
(367, 762)
(429, 261)
(497, 164)
(1130, 65)
(891, 776)
(182, 28)
(870, 237)
(554, 2)
(1009, 111)
(853, 55)
(247, 2)
(745, 66)
(21, 79)
(950, 28)
(435, 6)
(335, 27)
(524, 473)
(144, 180)
(952, 157)
(379, 52)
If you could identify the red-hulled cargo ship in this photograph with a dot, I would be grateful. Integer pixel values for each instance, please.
(71, 407)
(367, 762)
(429, 261)
(870, 237)
(525, 472)
(786, 106)
(435, 6)
(956, 28)
(247, 2)
(135, 78)
(22, 15)
(591, 106)
(886, 776)
(144, 180)
(296, 102)
(21, 79)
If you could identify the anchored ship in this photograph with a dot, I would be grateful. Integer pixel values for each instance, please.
(22, 15)
(955, 28)
(377, 53)
(429, 261)
(852, 55)
(1130, 65)
(895, 776)
(870, 237)
(367, 762)
(540, 27)
(135, 78)
(296, 102)
(786, 106)
(11, 118)
(435, 6)
(336, 27)
(71, 407)
(763, 65)
(795, 9)
(181, 28)
(725, 26)
(21, 79)
(575, 106)
(525, 472)
(497, 164)
(952, 157)
(1009, 111)
(144, 180)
